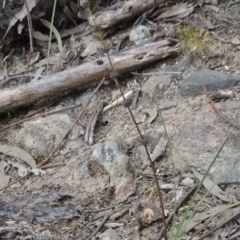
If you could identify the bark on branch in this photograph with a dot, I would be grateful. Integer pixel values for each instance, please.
(86, 73)
(129, 9)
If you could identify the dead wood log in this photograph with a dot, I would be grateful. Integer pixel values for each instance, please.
(128, 10)
(86, 73)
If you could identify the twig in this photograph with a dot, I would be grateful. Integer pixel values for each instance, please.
(48, 158)
(53, 165)
(113, 75)
(98, 228)
(219, 226)
(29, 26)
(179, 204)
(69, 130)
(155, 73)
(91, 125)
(135, 99)
(119, 100)
(10, 184)
(214, 106)
(30, 38)
(113, 206)
(234, 236)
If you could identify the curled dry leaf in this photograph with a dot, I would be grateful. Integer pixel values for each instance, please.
(18, 153)
(56, 33)
(39, 36)
(59, 64)
(24, 156)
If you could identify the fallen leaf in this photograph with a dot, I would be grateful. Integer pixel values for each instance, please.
(56, 33)
(214, 189)
(21, 15)
(93, 44)
(159, 149)
(180, 11)
(93, 4)
(206, 22)
(21, 170)
(18, 153)
(136, 234)
(191, 223)
(42, 37)
(152, 114)
(188, 182)
(20, 28)
(58, 66)
(235, 40)
(82, 14)
(4, 179)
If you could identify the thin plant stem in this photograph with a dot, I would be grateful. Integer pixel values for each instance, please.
(179, 229)
(171, 157)
(50, 34)
(202, 199)
(139, 132)
(183, 221)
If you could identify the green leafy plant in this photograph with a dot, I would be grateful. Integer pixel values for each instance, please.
(50, 33)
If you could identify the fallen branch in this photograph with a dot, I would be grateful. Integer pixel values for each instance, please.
(87, 73)
(128, 10)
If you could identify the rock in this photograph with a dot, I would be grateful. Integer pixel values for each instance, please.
(41, 135)
(156, 82)
(109, 234)
(183, 65)
(111, 156)
(140, 33)
(213, 82)
(78, 173)
(200, 137)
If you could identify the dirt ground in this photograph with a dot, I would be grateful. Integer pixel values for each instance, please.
(102, 186)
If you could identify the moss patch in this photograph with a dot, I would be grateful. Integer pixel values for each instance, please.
(202, 41)
(38, 158)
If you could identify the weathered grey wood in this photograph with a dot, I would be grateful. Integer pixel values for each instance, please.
(86, 73)
(128, 10)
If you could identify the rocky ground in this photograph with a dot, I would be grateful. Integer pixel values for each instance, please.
(103, 188)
